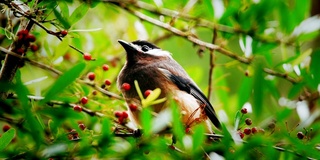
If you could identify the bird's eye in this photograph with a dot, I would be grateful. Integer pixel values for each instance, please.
(145, 48)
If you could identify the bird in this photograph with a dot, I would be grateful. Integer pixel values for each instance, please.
(154, 68)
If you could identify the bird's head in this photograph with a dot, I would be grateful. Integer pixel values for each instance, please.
(143, 51)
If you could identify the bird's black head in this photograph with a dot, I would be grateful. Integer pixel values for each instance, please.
(143, 50)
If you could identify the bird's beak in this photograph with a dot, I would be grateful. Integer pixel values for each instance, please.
(127, 46)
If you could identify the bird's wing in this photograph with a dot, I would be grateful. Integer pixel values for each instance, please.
(189, 87)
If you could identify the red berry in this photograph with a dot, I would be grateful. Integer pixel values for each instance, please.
(105, 67)
(64, 33)
(94, 92)
(67, 56)
(248, 121)
(246, 73)
(30, 38)
(77, 108)
(244, 111)
(147, 92)
(107, 82)
(23, 32)
(172, 147)
(82, 126)
(133, 107)
(34, 48)
(300, 135)
(91, 76)
(126, 86)
(247, 131)
(118, 114)
(121, 120)
(5, 128)
(20, 37)
(254, 130)
(87, 56)
(113, 63)
(188, 130)
(84, 100)
(241, 134)
(124, 114)
(20, 51)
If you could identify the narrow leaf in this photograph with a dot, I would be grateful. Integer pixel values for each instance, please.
(64, 80)
(61, 19)
(79, 13)
(6, 138)
(198, 136)
(145, 120)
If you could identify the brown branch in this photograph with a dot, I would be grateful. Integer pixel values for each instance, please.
(282, 75)
(33, 20)
(86, 110)
(199, 21)
(188, 36)
(10, 65)
(55, 71)
(212, 65)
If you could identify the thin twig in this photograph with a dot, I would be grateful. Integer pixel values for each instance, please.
(188, 36)
(199, 21)
(86, 110)
(282, 75)
(212, 65)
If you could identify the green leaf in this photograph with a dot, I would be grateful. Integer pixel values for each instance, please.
(245, 91)
(106, 137)
(64, 9)
(146, 119)
(6, 138)
(152, 98)
(198, 136)
(30, 117)
(61, 49)
(302, 57)
(63, 81)
(48, 4)
(178, 128)
(258, 87)
(237, 119)
(295, 90)
(78, 13)
(61, 19)
(221, 83)
(209, 8)
(136, 84)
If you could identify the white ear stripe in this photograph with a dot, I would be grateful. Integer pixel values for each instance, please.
(159, 52)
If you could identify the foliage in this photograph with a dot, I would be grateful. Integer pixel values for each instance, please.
(264, 55)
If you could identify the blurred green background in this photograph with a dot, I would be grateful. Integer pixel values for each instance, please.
(279, 86)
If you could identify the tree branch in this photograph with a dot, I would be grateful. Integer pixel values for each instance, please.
(282, 75)
(188, 36)
(212, 65)
(55, 71)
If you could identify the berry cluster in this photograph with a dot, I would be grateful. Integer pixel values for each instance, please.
(92, 76)
(25, 38)
(73, 135)
(122, 116)
(248, 130)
